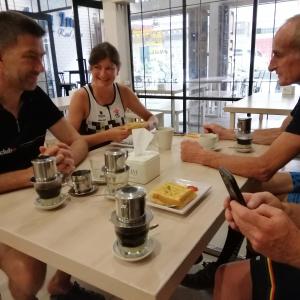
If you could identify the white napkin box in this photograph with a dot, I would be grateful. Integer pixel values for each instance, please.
(143, 168)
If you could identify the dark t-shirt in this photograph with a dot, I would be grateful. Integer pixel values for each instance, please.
(21, 138)
(294, 126)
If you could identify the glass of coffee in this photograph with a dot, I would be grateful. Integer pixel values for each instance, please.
(48, 189)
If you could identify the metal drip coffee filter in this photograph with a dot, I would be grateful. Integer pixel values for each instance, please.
(243, 136)
(115, 160)
(115, 170)
(130, 204)
(44, 168)
(131, 221)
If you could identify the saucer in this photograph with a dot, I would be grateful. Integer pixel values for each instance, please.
(146, 251)
(89, 192)
(50, 204)
(244, 150)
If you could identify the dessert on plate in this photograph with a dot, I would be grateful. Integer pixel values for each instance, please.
(173, 194)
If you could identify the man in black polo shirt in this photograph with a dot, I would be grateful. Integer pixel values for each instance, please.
(26, 112)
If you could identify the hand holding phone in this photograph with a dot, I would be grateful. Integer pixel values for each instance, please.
(232, 187)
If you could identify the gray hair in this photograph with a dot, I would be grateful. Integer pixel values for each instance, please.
(14, 24)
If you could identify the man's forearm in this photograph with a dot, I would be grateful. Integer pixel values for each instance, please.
(251, 167)
(15, 180)
(97, 138)
(265, 136)
(79, 150)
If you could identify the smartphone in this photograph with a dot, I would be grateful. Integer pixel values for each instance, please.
(232, 187)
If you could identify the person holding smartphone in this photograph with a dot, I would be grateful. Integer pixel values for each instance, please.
(285, 146)
(273, 228)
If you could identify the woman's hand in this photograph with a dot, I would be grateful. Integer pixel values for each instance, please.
(152, 123)
(118, 134)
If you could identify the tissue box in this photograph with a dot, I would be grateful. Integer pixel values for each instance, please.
(143, 168)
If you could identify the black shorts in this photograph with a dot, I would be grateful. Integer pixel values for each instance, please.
(274, 281)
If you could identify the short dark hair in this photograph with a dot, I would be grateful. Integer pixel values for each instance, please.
(103, 51)
(14, 24)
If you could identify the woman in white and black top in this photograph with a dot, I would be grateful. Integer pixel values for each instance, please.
(97, 110)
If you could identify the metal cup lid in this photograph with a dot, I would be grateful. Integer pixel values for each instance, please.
(44, 168)
(130, 192)
(115, 159)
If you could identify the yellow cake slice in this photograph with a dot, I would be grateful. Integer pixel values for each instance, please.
(193, 135)
(171, 193)
(135, 125)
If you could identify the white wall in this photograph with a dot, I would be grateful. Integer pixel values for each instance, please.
(116, 32)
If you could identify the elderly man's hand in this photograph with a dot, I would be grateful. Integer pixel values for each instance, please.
(222, 132)
(64, 157)
(191, 151)
(270, 231)
(253, 201)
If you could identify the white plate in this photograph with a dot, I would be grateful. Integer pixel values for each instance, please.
(51, 205)
(91, 191)
(203, 188)
(128, 142)
(148, 249)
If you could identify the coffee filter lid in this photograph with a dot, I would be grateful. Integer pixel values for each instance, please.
(129, 192)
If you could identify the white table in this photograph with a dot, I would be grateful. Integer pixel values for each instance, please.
(78, 237)
(262, 103)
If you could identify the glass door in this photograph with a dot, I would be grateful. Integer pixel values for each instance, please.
(48, 80)
(88, 17)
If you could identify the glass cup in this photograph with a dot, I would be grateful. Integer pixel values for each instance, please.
(48, 189)
(164, 136)
(208, 140)
(116, 180)
(96, 165)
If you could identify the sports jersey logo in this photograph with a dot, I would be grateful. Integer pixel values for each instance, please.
(116, 112)
(7, 151)
(101, 117)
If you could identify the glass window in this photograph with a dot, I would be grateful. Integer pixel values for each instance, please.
(270, 17)
(2, 5)
(205, 53)
(91, 28)
(23, 5)
(48, 5)
(64, 40)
